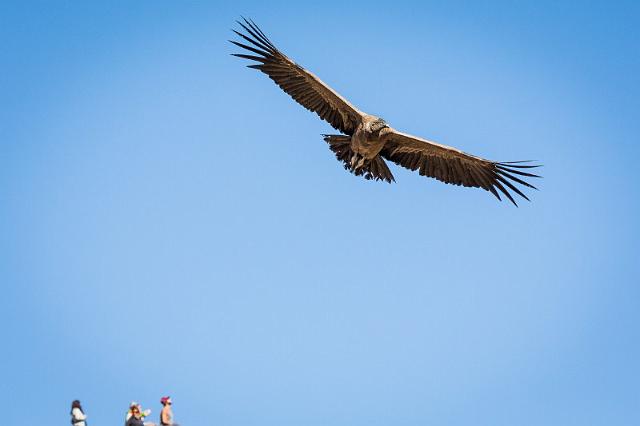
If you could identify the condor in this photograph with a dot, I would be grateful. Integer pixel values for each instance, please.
(366, 140)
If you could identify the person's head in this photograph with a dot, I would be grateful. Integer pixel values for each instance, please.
(135, 411)
(76, 404)
(165, 400)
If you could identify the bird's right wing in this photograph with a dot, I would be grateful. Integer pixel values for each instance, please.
(304, 87)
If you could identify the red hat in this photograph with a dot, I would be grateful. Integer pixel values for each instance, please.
(165, 399)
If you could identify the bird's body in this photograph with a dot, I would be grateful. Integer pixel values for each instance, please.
(367, 140)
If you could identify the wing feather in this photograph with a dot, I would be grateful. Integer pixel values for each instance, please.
(453, 166)
(304, 87)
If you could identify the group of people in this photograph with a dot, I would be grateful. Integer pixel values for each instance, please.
(135, 414)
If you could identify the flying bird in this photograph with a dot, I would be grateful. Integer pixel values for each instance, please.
(366, 141)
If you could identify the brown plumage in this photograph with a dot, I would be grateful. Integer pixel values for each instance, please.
(367, 140)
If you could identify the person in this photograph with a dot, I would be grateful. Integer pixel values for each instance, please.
(136, 417)
(78, 418)
(143, 414)
(130, 411)
(166, 415)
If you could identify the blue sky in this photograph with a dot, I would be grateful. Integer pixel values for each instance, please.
(172, 223)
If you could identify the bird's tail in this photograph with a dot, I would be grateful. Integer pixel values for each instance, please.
(375, 168)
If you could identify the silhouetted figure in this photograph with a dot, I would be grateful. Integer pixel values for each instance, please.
(143, 414)
(136, 417)
(166, 415)
(78, 418)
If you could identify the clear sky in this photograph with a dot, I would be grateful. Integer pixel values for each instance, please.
(172, 223)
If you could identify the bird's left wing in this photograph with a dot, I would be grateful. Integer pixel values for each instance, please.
(304, 87)
(453, 166)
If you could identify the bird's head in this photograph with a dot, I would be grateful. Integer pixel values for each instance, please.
(378, 124)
